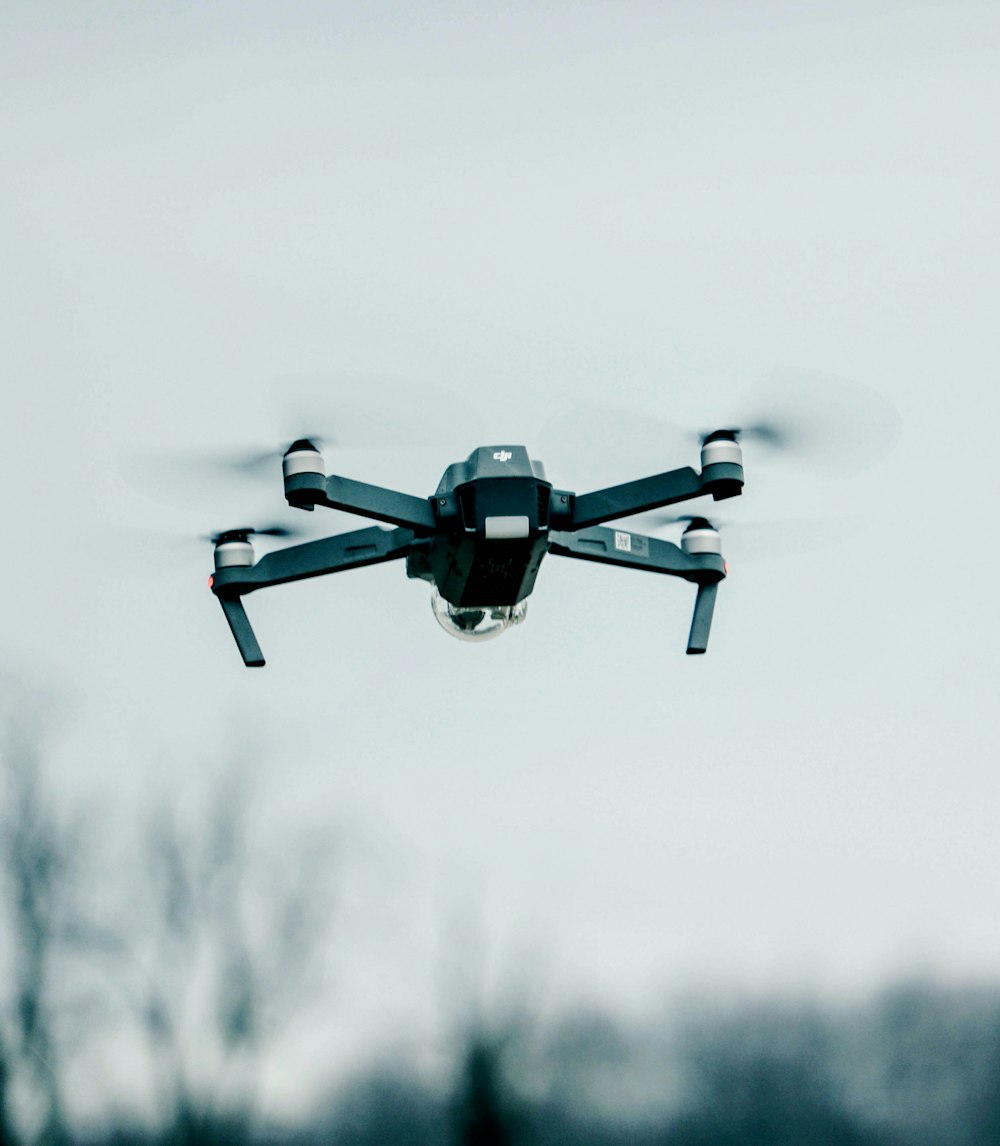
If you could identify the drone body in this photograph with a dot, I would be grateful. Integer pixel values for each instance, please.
(496, 507)
(480, 539)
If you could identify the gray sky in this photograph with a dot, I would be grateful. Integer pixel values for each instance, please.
(643, 205)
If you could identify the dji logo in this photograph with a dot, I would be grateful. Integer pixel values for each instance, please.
(502, 456)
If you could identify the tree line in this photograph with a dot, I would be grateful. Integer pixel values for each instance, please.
(210, 949)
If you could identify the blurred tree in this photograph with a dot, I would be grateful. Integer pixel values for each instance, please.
(484, 1106)
(217, 949)
(387, 1107)
(926, 1060)
(214, 952)
(985, 1106)
(764, 1079)
(7, 1137)
(767, 1102)
(481, 1109)
(38, 905)
(221, 956)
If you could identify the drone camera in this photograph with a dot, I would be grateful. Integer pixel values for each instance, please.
(476, 622)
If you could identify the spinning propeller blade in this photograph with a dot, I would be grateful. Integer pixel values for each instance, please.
(766, 540)
(372, 411)
(266, 461)
(246, 531)
(812, 419)
(334, 411)
(827, 423)
(131, 551)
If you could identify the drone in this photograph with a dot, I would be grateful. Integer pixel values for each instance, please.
(479, 540)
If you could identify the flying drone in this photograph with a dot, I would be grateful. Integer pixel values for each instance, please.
(479, 540)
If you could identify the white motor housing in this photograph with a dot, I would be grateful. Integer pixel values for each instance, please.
(302, 457)
(701, 537)
(233, 553)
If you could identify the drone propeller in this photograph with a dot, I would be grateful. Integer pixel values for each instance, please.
(825, 422)
(692, 520)
(336, 412)
(245, 532)
(186, 476)
(373, 411)
(766, 540)
(137, 551)
(811, 419)
(262, 461)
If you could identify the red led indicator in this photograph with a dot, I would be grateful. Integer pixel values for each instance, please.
(211, 581)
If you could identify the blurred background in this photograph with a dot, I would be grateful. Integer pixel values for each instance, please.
(571, 885)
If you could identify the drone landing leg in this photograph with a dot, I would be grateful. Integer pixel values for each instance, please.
(239, 622)
(701, 622)
(635, 551)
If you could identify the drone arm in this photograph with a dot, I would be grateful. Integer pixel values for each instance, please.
(297, 562)
(635, 497)
(719, 480)
(636, 551)
(314, 559)
(403, 509)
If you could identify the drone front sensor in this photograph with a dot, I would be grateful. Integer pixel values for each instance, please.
(480, 539)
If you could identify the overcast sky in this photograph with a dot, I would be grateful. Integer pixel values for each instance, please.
(512, 208)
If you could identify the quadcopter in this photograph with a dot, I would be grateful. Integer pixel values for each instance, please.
(480, 539)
